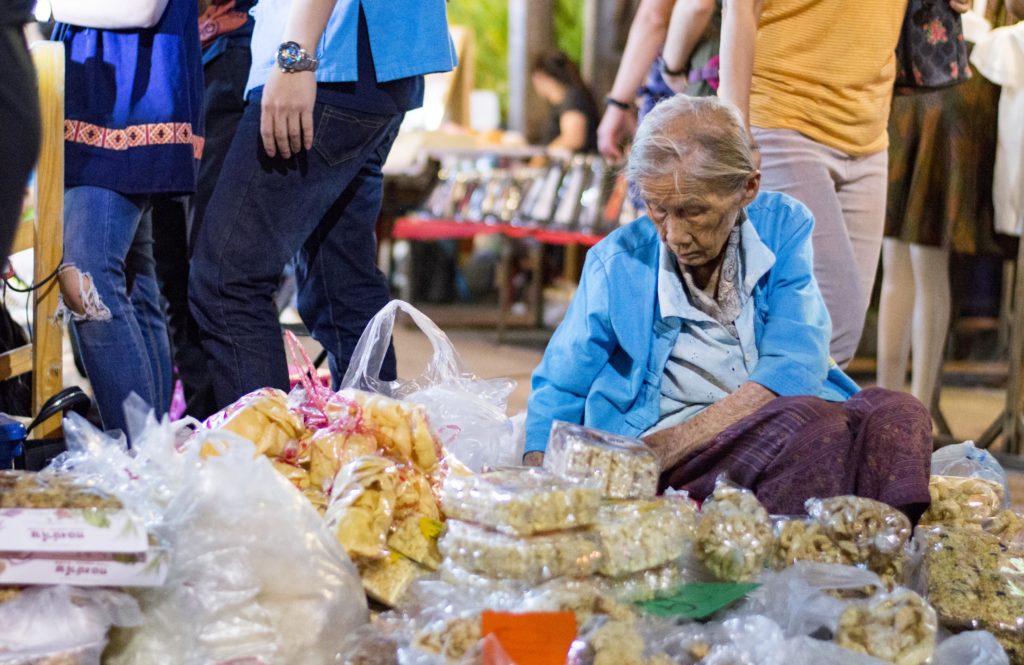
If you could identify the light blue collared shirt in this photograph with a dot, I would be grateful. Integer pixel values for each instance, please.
(407, 38)
(707, 363)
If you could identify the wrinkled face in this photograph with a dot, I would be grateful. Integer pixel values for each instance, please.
(695, 226)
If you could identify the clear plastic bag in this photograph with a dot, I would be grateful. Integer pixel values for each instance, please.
(62, 624)
(867, 531)
(974, 647)
(253, 574)
(263, 417)
(520, 501)
(624, 468)
(531, 559)
(468, 412)
(973, 582)
(899, 627)
(801, 539)
(968, 461)
(734, 535)
(647, 584)
(640, 534)
(958, 500)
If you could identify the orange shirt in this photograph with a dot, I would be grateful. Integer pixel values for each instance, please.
(825, 68)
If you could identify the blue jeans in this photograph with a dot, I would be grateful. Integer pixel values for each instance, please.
(108, 239)
(321, 208)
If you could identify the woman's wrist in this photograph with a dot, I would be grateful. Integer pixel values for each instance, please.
(669, 71)
(615, 102)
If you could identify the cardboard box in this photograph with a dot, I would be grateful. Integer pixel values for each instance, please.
(147, 569)
(71, 530)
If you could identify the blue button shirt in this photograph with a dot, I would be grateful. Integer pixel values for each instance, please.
(407, 38)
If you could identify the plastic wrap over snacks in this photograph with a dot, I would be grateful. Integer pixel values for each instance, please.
(644, 533)
(623, 468)
(974, 647)
(263, 418)
(469, 413)
(645, 584)
(968, 461)
(803, 540)
(532, 559)
(957, 501)
(363, 506)
(734, 535)
(233, 525)
(61, 625)
(867, 531)
(400, 428)
(520, 501)
(898, 627)
(973, 582)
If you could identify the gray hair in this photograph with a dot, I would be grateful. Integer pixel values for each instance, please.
(701, 141)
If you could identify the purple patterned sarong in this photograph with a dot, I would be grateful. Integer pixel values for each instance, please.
(878, 444)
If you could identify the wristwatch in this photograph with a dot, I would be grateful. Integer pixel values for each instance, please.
(293, 58)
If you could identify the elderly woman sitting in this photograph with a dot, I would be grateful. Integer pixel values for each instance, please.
(700, 329)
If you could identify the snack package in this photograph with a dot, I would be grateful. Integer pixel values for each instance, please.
(26, 489)
(61, 624)
(1008, 526)
(958, 501)
(530, 559)
(973, 582)
(296, 475)
(415, 536)
(262, 417)
(362, 508)
(400, 428)
(803, 540)
(386, 580)
(899, 627)
(645, 584)
(640, 534)
(520, 501)
(734, 535)
(867, 531)
(624, 468)
(968, 461)
(332, 448)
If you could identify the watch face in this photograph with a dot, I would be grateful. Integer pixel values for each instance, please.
(289, 55)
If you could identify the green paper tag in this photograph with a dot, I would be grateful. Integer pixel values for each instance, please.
(697, 601)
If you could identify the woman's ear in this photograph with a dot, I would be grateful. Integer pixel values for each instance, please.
(751, 188)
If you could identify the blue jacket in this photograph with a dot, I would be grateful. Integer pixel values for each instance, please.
(407, 37)
(604, 364)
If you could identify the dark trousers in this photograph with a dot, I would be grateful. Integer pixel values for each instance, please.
(19, 129)
(319, 207)
(175, 226)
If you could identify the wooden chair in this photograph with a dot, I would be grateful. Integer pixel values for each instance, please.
(43, 232)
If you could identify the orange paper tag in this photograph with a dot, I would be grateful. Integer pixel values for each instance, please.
(532, 638)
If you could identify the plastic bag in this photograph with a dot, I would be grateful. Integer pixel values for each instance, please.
(898, 627)
(968, 461)
(958, 500)
(974, 647)
(254, 572)
(868, 531)
(468, 412)
(798, 597)
(62, 624)
(641, 534)
(624, 468)
(734, 535)
(520, 501)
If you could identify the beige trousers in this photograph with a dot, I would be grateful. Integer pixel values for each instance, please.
(846, 195)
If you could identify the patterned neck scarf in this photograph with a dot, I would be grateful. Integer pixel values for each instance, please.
(721, 300)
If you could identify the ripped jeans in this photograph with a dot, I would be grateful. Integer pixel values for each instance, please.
(111, 296)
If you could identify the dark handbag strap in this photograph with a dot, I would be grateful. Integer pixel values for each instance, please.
(69, 399)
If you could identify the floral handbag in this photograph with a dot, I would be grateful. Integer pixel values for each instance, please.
(931, 53)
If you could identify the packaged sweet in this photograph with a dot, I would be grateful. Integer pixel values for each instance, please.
(1008, 526)
(451, 638)
(968, 461)
(623, 468)
(645, 584)
(262, 417)
(973, 582)
(958, 500)
(296, 475)
(530, 559)
(867, 531)
(803, 540)
(414, 494)
(26, 489)
(415, 536)
(362, 507)
(520, 501)
(386, 580)
(734, 535)
(643, 533)
(400, 428)
(899, 627)
(332, 448)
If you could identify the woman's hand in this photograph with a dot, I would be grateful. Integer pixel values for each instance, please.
(616, 125)
(960, 6)
(286, 118)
